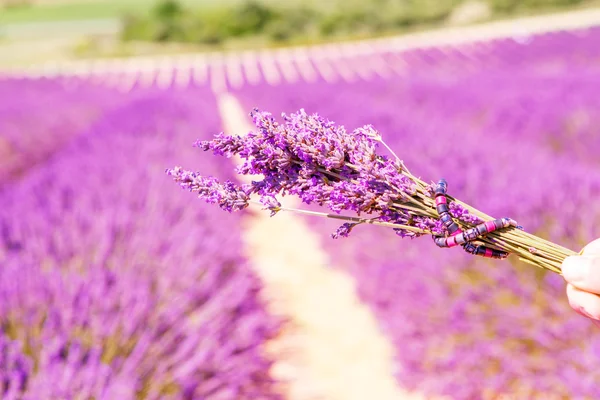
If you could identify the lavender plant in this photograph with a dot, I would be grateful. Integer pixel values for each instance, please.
(114, 289)
(321, 163)
(39, 116)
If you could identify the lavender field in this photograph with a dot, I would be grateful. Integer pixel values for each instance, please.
(37, 117)
(116, 284)
(513, 128)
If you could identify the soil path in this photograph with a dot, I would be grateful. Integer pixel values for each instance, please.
(332, 347)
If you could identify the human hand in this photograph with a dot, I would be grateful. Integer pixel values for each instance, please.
(582, 272)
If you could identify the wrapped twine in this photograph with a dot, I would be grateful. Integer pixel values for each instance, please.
(314, 159)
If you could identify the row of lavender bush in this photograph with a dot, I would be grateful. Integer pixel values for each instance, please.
(512, 127)
(39, 116)
(113, 283)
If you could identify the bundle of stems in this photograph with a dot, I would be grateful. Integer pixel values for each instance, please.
(313, 159)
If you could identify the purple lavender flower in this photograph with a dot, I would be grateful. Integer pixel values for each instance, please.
(462, 214)
(320, 162)
(344, 230)
(271, 204)
(15, 367)
(227, 195)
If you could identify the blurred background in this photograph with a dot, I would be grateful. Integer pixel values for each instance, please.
(117, 284)
(36, 30)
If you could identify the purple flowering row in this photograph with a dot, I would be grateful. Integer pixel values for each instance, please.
(511, 127)
(39, 116)
(115, 286)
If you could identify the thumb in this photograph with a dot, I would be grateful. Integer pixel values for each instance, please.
(592, 249)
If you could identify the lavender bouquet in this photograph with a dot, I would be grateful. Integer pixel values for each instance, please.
(312, 158)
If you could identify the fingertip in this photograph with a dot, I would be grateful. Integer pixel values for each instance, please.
(584, 303)
(572, 298)
(574, 268)
(592, 248)
(570, 294)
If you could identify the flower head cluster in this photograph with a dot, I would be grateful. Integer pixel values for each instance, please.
(321, 163)
(227, 195)
(461, 213)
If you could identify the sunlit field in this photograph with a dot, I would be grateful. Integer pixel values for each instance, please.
(511, 125)
(117, 284)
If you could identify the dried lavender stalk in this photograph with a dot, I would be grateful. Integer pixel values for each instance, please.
(321, 163)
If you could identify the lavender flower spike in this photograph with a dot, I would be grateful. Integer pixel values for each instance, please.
(310, 157)
(321, 163)
(227, 195)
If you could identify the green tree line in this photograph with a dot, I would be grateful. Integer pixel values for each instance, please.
(170, 21)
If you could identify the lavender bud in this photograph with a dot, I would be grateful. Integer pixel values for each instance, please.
(344, 230)
(462, 214)
(271, 204)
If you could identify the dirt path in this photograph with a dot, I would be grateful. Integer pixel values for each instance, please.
(332, 348)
